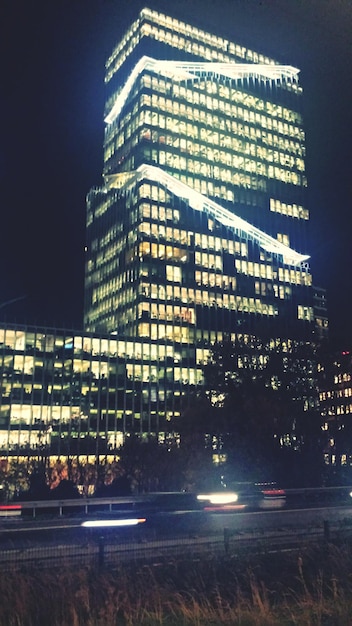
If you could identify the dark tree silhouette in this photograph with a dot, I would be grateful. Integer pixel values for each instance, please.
(260, 415)
(65, 490)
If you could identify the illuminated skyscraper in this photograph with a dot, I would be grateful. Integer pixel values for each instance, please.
(200, 229)
(198, 234)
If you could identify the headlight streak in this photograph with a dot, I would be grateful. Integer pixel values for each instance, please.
(101, 523)
(218, 498)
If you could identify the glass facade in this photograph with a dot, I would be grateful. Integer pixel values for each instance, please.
(65, 394)
(77, 394)
(199, 234)
(201, 228)
(335, 395)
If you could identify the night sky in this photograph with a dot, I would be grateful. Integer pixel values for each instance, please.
(52, 99)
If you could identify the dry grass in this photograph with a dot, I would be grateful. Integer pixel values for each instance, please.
(313, 588)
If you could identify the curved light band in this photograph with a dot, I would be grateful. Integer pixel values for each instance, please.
(199, 202)
(189, 71)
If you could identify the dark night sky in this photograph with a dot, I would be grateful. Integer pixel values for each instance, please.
(53, 56)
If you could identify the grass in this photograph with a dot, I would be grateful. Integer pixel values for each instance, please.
(312, 588)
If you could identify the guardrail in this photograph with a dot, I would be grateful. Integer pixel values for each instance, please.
(60, 507)
(90, 505)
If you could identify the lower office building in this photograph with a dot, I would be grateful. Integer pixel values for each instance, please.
(67, 394)
(78, 394)
(335, 396)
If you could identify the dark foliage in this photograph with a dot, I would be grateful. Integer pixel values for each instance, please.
(261, 415)
(65, 490)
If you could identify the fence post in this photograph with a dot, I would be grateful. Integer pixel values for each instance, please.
(226, 540)
(101, 554)
(326, 530)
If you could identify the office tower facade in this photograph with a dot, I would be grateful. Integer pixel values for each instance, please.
(199, 234)
(200, 229)
(321, 314)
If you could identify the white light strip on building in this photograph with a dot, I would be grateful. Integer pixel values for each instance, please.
(190, 71)
(199, 202)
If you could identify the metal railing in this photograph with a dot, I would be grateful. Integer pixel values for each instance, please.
(90, 505)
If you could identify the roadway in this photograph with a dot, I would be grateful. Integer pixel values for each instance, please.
(48, 541)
